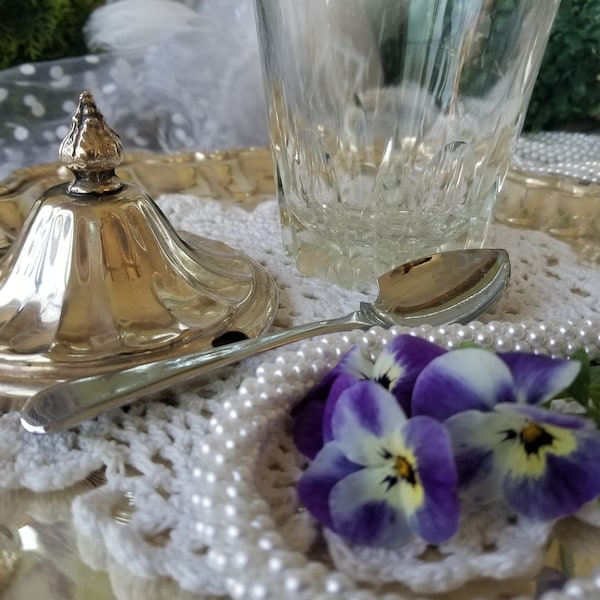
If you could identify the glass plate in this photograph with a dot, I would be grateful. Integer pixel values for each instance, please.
(566, 208)
(267, 546)
(42, 555)
(554, 185)
(243, 177)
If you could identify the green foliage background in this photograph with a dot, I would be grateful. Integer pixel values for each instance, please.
(567, 92)
(34, 30)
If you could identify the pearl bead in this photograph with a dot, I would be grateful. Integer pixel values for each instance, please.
(282, 559)
(269, 541)
(503, 344)
(240, 560)
(258, 591)
(484, 338)
(248, 386)
(236, 590)
(295, 581)
(217, 560)
(232, 532)
(465, 333)
(337, 583)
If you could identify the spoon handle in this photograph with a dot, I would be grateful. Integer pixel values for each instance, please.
(69, 403)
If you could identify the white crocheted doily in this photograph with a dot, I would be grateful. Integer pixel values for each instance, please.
(266, 545)
(150, 451)
(488, 544)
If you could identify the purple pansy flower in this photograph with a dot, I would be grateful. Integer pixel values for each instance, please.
(382, 478)
(473, 378)
(396, 370)
(542, 463)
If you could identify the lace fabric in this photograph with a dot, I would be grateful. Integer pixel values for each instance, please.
(489, 543)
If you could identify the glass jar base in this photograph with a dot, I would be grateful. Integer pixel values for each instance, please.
(317, 254)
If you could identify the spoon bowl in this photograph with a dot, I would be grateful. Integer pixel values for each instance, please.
(449, 287)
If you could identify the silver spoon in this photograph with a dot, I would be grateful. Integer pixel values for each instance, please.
(449, 287)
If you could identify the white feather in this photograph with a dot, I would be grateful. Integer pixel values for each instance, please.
(131, 24)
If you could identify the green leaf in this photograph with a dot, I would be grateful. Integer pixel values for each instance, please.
(594, 385)
(469, 344)
(594, 415)
(579, 389)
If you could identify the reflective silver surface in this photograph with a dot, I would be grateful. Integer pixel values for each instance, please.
(98, 278)
(444, 288)
(43, 555)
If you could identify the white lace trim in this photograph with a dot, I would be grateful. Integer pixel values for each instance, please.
(488, 544)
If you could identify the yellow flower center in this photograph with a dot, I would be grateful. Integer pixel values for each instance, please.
(405, 470)
(402, 470)
(533, 445)
(533, 437)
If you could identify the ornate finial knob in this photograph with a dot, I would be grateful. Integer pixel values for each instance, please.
(92, 150)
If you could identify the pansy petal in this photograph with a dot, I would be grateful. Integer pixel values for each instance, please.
(355, 363)
(529, 435)
(352, 363)
(568, 481)
(309, 414)
(362, 514)
(475, 438)
(550, 461)
(307, 431)
(543, 415)
(437, 519)
(399, 364)
(314, 487)
(364, 417)
(430, 443)
(464, 379)
(538, 460)
(538, 378)
(342, 382)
